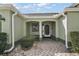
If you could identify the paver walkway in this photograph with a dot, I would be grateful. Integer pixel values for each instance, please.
(42, 48)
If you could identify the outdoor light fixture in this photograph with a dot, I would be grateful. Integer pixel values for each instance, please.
(2, 18)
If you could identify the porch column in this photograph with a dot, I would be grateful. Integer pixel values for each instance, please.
(40, 30)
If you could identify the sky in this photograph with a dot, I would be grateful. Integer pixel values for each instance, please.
(26, 8)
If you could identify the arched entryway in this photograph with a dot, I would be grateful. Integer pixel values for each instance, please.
(41, 28)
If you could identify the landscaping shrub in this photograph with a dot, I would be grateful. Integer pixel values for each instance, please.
(36, 38)
(3, 41)
(53, 37)
(27, 42)
(75, 41)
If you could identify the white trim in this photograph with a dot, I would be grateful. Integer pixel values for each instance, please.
(71, 9)
(33, 16)
(8, 7)
(65, 26)
(49, 30)
(41, 20)
(13, 35)
(66, 33)
(40, 30)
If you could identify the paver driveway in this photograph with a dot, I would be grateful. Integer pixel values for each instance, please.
(42, 48)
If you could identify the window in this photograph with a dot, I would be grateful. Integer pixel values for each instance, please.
(35, 27)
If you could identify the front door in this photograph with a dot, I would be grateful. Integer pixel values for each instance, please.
(46, 30)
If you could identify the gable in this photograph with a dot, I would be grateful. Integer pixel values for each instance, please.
(77, 5)
(74, 5)
(72, 8)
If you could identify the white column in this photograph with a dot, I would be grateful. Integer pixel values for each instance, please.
(40, 30)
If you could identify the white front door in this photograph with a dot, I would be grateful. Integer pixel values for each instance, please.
(46, 30)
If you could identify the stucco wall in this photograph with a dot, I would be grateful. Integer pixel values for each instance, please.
(53, 28)
(61, 29)
(72, 22)
(0, 25)
(6, 25)
(18, 27)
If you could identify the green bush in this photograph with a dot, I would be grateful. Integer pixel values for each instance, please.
(3, 41)
(75, 41)
(36, 38)
(27, 42)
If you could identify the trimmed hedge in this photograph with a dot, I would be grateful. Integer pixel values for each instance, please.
(3, 41)
(36, 38)
(75, 41)
(27, 42)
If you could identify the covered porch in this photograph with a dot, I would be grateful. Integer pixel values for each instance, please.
(42, 29)
(46, 25)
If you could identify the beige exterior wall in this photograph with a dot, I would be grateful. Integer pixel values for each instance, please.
(72, 22)
(18, 27)
(61, 28)
(6, 25)
(0, 25)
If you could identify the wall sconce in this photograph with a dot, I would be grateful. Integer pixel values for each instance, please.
(2, 18)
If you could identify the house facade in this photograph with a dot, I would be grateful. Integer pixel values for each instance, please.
(18, 25)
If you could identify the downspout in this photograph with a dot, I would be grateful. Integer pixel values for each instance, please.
(12, 47)
(66, 41)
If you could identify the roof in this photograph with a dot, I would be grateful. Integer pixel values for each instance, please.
(73, 5)
(8, 7)
(31, 15)
(37, 14)
(72, 8)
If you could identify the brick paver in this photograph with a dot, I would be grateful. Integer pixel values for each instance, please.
(42, 48)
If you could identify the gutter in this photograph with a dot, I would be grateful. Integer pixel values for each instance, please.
(65, 26)
(12, 47)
